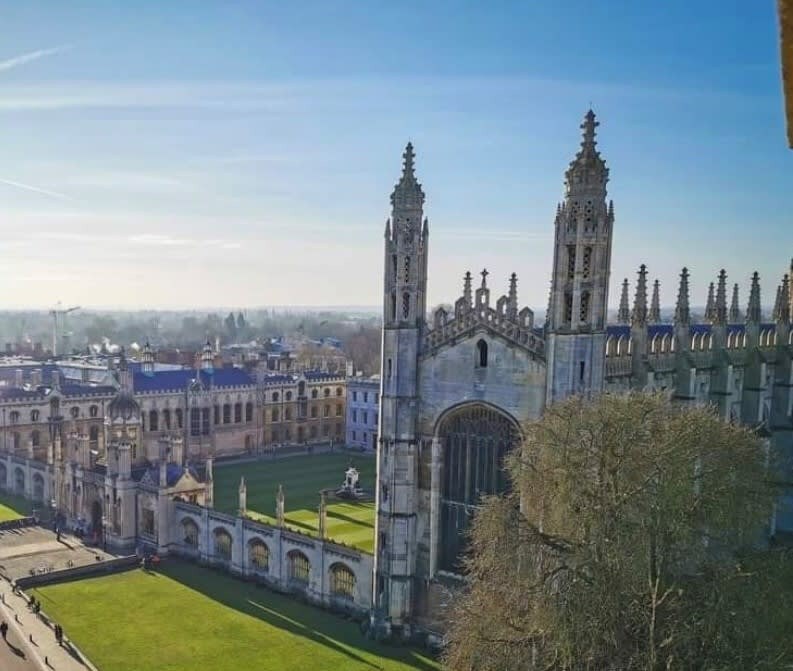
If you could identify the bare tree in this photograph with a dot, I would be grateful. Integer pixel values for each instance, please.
(631, 540)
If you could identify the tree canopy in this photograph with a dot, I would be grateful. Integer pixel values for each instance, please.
(633, 539)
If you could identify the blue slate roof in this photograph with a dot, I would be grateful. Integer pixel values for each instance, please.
(624, 330)
(319, 375)
(179, 380)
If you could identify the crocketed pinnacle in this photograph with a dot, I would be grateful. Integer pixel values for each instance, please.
(624, 312)
(720, 314)
(710, 306)
(754, 312)
(408, 193)
(777, 303)
(467, 287)
(512, 298)
(784, 301)
(639, 314)
(735, 310)
(682, 312)
(588, 169)
(655, 304)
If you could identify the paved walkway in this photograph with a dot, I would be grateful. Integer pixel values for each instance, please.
(42, 653)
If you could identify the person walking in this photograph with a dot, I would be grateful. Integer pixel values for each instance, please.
(4, 629)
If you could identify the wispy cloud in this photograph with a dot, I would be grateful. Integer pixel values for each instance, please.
(34, 189)
(22, 59)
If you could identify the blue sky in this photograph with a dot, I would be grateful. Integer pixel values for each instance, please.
(191, 154)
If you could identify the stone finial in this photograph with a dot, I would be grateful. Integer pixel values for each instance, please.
(624, 313)
(323, 515)
(388, 228)
(754, 312)
(484, 275)
(735, 310)
(408, 158)
(589, 127)
(720, 312)
(639, 314)
(467, 295)
(425, 229)
(682, 312)
(279, 506)
(611, 210)
(710, 306)
(655, 304)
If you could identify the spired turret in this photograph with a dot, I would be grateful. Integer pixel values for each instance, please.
(578, 303)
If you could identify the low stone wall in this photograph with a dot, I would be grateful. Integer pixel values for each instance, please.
(317, 570)
(89, 570)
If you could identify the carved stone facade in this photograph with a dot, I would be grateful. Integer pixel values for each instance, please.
(457, 387)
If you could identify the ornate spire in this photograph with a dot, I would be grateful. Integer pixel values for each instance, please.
(484, 275)
(655, 304)
(754, 312)
(682, 313)
(710, 306)
(587, 169)
(624, 312)
(388, 228)
(720, 314)
(639, 314)
(467, 295)
(408, 193)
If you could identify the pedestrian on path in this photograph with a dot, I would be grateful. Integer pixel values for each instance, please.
(59, 634)
(4, 629)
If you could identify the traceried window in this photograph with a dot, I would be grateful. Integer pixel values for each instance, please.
(154, 423)
(205, 421)
(481, 354)
(570, 262)
(249, 412)
(34, 415)
(342, 582)
(405, 305)
(179, 418)
(587, 262)
(226, 413)
(584, 308)
(93, 411)
(568, 308)
(299, 567)
(222, 544)
(195, 421)
(406, 277)
(237, 413)
(166, 417)
(259, 555)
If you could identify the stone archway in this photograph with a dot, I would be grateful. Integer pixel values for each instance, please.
(38, 487)
(19, 481)
(474, 439)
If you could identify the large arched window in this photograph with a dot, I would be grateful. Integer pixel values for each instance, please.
(475, 440)
(38, 487)
(249, 412)
(93, 436)
(190, 532)
(222, 544)
(154, 421)
(405, 305)
(179, 418)
(299, 567)
(258, 555)
(34, 415)
(166, 418)
(342, 582)
(481, 354)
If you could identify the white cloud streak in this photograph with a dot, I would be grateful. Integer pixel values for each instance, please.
(34, 189)
(22, 59)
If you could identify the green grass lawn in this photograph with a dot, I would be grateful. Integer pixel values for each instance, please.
(13, 507)
(302, 478)
(184, 617)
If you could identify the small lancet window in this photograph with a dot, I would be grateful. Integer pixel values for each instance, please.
(568, 308)
(481, 352)
(394, 267)
(405, 305)
(570, 261)
(389, 367)
(584, 307)
(393, 307)
(407, 270)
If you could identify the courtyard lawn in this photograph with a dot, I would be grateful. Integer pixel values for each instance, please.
(185, 617)
(302, 477)
(13, 507)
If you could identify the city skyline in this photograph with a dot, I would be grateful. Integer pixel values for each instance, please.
(155, 159)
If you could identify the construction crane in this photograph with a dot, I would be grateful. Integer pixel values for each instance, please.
(57, 314)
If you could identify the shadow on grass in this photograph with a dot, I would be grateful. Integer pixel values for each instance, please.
(347, 518)
(287, 614)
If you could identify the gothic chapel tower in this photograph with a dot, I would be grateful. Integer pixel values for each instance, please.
(404, 307)
(576, 321)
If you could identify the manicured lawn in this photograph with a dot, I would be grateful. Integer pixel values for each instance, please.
(13, 507)
(184, 617)
(302, 477)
